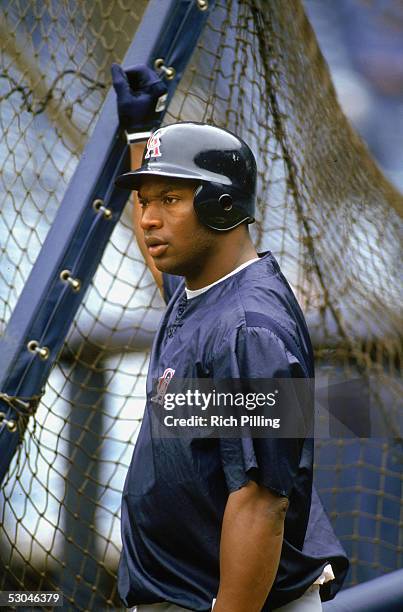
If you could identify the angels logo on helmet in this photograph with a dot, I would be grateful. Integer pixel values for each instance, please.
(153, 146)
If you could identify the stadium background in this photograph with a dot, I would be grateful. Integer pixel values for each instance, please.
(61, 498)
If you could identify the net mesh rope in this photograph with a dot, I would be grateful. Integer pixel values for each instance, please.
(324, 210)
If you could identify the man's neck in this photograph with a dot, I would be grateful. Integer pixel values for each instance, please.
(223, 262)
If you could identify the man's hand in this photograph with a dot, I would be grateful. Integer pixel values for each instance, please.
(141, 98)
(251, 540)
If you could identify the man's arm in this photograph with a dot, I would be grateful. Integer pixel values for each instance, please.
(141, 97)
(136, 154)
(251, 541)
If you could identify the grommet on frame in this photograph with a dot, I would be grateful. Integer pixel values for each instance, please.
(169, 71)
(23, 408)
(75, 283)
(11, 425)
(202, 4)
(42, 351)
(98, 206)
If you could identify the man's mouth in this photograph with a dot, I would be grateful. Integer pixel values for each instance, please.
(157, 249)
(155, 246)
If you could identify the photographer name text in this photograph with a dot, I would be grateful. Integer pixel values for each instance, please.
(252, 420)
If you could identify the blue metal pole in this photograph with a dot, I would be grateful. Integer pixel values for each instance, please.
(85, 220)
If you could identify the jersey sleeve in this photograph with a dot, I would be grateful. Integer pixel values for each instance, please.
(273, 461)
(170, 284)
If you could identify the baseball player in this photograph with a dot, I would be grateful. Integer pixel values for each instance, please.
(229, 523)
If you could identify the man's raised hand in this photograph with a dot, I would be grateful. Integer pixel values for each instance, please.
(141, 99)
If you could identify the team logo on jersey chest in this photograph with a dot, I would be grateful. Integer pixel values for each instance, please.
(162, 386)
(153, 146)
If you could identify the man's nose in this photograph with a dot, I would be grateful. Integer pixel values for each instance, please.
(151, 217)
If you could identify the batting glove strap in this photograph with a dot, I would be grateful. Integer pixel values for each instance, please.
(137, 136)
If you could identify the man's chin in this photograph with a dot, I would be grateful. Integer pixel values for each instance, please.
(168, 267)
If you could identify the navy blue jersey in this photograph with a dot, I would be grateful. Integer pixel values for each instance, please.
(247, 326)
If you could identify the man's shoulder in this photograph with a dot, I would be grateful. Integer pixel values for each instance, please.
(263, 292)
(260, 289)
(266, 305)
(254, 309)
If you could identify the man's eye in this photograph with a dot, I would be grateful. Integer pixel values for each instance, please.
(142, 203)
(170, 200)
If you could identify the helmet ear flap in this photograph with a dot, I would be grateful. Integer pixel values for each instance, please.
(217, 208)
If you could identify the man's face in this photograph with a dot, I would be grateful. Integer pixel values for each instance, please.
(177, 241)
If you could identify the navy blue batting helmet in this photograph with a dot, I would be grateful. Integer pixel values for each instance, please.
(222, 163)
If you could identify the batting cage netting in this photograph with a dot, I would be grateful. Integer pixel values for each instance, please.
(324, 209)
